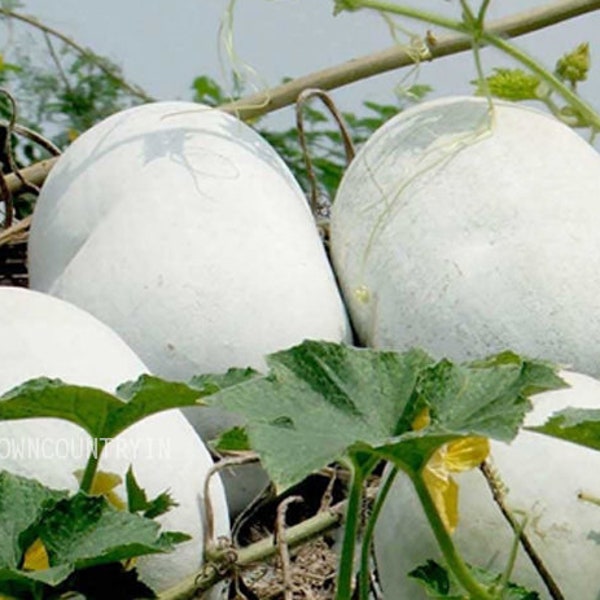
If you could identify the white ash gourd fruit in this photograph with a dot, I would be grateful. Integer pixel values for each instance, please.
(183, 230)
(44, 336)
(543, 477)
(466, 232)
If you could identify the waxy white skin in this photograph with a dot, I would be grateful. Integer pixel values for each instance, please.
(183, 230)
(466, 235)
(44, 336)
(543, 477)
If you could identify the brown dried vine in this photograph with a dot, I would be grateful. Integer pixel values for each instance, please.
(498, 494)
(302, 99)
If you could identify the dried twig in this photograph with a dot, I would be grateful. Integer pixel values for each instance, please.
(304, 97)
(87, 54)
(397, 56)
(282, 547)
(209, 524)
(498, 493)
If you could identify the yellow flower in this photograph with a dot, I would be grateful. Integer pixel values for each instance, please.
(454, 457)
(36, 556)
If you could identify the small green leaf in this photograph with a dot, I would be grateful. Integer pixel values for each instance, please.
(487, 398)
(86, 530)
(440, 583)
(232, 440)
(434, 578)
(136, 496)
(578, 425)
(208, 91)
(22, 502)
(160, 505)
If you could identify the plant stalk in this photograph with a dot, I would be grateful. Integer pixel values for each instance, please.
(520, 23)
(90, 469)
(492, 38)
(364, 582)
(451, 556)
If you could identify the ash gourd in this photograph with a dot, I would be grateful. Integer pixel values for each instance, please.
(44, 336)
(183, 230)
(466, 232)
(542, 477)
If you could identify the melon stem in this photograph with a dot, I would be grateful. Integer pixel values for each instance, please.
(453, 559)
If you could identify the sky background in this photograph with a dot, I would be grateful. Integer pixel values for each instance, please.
(163, 44)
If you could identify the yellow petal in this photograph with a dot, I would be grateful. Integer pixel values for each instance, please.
(103, 485)
(444, 493)
(36, 557)
(454, 457)
(465, 454)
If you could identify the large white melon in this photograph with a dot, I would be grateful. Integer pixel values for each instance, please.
(467, 232)
(44, 336)
(181, 228)
(543, 477)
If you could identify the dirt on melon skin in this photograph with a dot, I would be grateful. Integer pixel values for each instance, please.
(44, 336)
(543, 477)
(466, 233)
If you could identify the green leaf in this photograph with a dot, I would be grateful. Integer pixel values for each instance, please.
(136, 496)
(25, 584)
(434, 578)
(86, 530)
(578, 425)
(323, 401)
(487, 398)
(208, 91)
(43, 397)
(319, 399)
(22, 502)
(137, 500)
(511, 84)
(232, 440)
(101, 414)
(440, 583)
(212, 383)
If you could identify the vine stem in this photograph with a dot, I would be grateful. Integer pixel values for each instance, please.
(397, 56)
(451, 556)
(364, 582)
(256, 105)
(91, 467)
(360, 470)
(491, 38)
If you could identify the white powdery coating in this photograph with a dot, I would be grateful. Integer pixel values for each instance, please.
(543, 476)
(466, 236)
(181, 228)
(44, 336)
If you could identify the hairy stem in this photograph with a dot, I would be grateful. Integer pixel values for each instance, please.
(451, 556)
